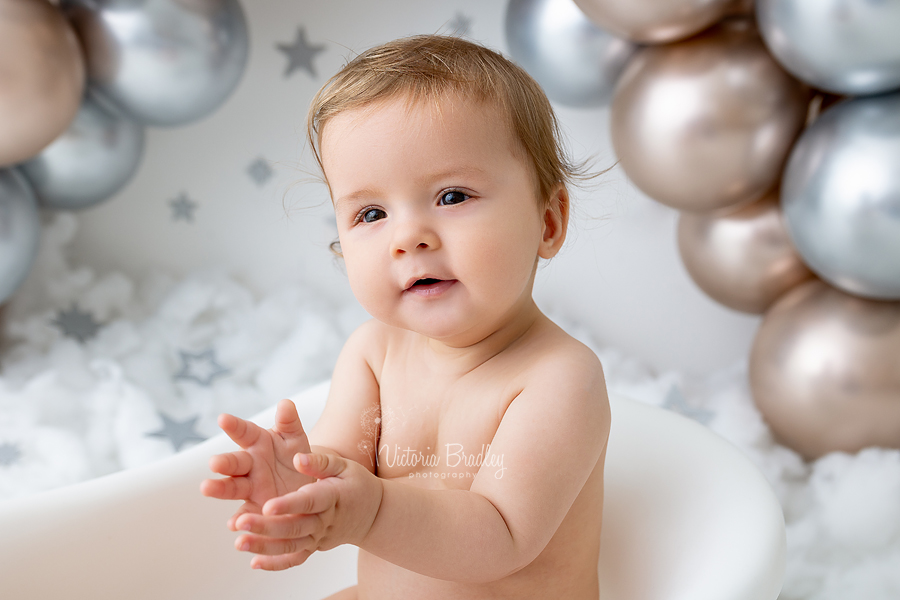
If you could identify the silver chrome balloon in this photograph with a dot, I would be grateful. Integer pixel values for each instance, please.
(88, 163)
(843, 46)
(162, 62)
(575, 62)
(841, 196)
(20, 231)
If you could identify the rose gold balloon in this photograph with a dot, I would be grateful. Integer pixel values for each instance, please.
(707, 123)
(655, 21)
(743, 259)
(825, 371)
(42, 77)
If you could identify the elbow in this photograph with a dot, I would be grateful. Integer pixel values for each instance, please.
(522, 556)
(495, 570)
(518, 554)
(505, 550)
(502, 569)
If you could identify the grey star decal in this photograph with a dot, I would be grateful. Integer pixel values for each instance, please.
(675, 402)
(260, 171)
(300, 53)
(10, 454)
(183, 208)
(77, 324)
(460, 25)
(178, 432)
(201, 367)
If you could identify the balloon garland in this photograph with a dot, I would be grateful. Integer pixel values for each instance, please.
(789, 192)
(79, 81)
(706, 123)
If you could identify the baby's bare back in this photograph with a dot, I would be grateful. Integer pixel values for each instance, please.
(434, 431)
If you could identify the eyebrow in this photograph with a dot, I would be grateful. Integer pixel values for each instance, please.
(467, 170)
(354, 196)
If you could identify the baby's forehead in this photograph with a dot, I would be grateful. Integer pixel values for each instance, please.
(430, 111)
(435, 107)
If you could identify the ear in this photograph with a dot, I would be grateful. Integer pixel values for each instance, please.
(556, 220)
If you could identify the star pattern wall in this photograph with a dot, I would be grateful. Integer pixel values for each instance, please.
(200, 367)
(77, 324)
(183, 208)
(300, 53)
(461, 25)
(178, 433)
(260, 171)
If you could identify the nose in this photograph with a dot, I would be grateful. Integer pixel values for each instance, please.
(413, 233)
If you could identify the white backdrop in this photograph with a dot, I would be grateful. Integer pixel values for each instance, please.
(619, 273)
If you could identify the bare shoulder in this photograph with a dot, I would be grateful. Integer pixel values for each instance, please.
(561, 357)
(567, 371)
(370, 341)
(370, 331)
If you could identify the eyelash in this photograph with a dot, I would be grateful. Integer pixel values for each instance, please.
(364, 211)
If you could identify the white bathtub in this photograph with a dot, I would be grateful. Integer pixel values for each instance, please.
(686, 517)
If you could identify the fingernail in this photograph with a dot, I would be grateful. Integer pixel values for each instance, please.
(245, 546)
(304, 459)
(246, 526)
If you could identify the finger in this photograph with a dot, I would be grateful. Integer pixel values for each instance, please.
(312, 498)
(280, 563)
(285, 526)
(287, 421)
(227, 488)
(318, 465)
(243, 432)
(258, 544)
(246, 508)
(234, 464)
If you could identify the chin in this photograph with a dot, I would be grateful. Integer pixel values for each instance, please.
(436, 329)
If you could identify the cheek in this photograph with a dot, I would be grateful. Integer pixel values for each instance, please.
(362, 273)
(504, 253)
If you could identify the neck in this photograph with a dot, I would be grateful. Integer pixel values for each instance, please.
(465, 353)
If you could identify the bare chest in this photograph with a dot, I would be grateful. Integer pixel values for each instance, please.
(437, 435)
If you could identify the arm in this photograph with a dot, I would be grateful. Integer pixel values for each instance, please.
(550, 439)
(346, 427)
(344, 430)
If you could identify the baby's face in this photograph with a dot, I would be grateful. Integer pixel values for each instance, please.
(419, 194)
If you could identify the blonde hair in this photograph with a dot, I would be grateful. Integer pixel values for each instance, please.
(428, 67)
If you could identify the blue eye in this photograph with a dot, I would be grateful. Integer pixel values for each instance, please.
(370, 215)
(453, 197)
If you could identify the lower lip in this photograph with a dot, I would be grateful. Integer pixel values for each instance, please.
(432, 290)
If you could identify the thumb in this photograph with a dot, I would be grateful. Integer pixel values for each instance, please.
(318, 465)
(287, 420)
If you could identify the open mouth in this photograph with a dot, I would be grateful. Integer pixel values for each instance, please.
(430, 287)
(426, 281)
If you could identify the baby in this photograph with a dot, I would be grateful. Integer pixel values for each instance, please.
(463, 442)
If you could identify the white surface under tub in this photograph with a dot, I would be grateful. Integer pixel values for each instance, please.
(686, 517)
